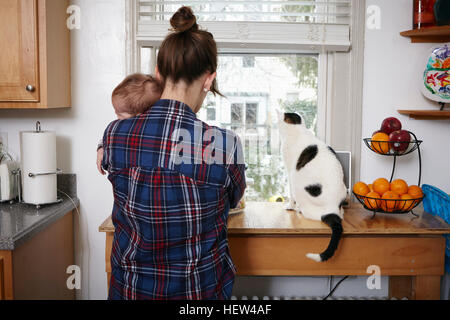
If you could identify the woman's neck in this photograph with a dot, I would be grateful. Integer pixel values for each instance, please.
(189, 95)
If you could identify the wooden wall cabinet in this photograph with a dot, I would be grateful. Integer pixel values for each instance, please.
(34, 54)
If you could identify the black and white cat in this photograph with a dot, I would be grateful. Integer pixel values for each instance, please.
(316, 178)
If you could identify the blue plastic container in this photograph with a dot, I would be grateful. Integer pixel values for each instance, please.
(437, 202)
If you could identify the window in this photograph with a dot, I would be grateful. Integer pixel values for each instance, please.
(309, 11)
(310, 25)
(272, 54)
(211, 114)
(236, 113)
(252, 96)
(248, 61)
(251, 110)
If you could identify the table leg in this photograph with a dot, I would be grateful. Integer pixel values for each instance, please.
(427, 287)
(2, 282)
(400, 287)
(108, 277)
(108, 249)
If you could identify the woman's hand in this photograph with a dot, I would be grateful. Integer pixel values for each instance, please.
(99, 161)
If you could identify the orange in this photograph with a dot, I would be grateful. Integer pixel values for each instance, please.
(361, 189)
(407, 204)
(370, 187)
(381, 185)
(387, 201)
(377, 143)
(372, 203)
(415, 192)
(399, 186)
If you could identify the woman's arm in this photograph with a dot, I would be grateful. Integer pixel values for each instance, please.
(100, 152)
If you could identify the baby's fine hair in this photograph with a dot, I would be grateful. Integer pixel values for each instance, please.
(138, 91)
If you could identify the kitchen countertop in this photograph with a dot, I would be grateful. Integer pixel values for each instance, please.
(19, 222)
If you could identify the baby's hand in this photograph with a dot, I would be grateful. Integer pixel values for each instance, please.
(99, 161)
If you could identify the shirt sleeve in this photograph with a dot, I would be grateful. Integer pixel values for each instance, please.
(236, 172)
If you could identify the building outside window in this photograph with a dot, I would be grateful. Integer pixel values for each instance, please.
(251, 98)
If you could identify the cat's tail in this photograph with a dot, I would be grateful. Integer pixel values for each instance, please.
(335, 223)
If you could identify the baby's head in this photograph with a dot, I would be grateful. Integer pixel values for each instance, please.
(135, 95)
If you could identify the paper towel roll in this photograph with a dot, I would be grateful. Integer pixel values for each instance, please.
(38, 155)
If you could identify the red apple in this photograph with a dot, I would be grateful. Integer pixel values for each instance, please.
(390, 125)
(399, 140)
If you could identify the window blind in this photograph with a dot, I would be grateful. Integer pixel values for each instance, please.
(259, 24)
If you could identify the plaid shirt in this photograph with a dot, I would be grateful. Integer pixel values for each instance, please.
(170, 216)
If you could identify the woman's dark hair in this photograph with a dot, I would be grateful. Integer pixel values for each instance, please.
(188, 52)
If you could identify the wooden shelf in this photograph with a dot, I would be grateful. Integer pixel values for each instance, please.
(430, 34)
(426, 114)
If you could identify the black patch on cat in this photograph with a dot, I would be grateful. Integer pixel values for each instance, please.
(292, 118)
(307, 155)
(314, 190)
(335, 223)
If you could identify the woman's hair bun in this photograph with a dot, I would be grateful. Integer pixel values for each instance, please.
(184, 20)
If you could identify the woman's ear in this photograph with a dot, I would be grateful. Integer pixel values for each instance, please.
(157, 74)
(209, 81)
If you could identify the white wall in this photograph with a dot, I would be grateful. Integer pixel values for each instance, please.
(98, 64)
(392, 72)
(392, 65)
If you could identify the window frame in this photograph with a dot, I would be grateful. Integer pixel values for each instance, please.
(340, 73)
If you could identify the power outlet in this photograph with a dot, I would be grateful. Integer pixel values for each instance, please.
(3, 140)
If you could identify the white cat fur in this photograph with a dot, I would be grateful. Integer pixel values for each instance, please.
(325, 169)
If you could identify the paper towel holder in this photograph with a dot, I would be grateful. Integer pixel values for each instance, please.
(32, 175)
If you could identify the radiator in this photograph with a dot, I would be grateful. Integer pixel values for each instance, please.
(310, 298)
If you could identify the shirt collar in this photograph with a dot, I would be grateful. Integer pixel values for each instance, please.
(173, 106)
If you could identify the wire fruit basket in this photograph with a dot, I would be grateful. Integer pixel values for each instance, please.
(397, 148)
(395, 206)
(393, 149)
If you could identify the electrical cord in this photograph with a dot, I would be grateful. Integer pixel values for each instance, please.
(335, 287)
(73, 202)
(77, 231)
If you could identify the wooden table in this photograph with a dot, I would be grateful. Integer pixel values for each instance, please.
(267, 240)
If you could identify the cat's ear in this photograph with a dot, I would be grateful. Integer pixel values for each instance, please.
(293, 118)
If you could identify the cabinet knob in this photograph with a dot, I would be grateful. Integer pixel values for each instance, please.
(30, 88)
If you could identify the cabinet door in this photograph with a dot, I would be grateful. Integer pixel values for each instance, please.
(6, 275)
(2, 276)
(19, 51)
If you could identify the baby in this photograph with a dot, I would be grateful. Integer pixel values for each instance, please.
(133, 96)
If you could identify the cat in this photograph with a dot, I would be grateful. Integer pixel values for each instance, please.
(316, 178)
